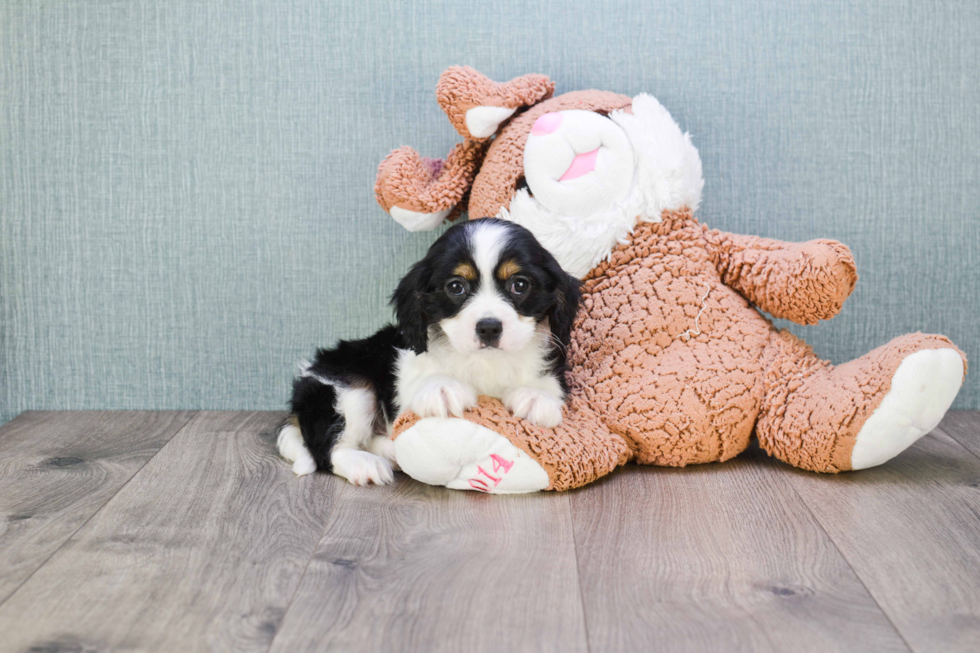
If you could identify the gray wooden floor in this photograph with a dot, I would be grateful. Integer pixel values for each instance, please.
(175, 531)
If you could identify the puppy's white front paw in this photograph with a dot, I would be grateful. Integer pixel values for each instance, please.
(537, 407)
(361, 467)
(443, 396)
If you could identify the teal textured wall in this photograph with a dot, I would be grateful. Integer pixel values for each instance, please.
(186, 201)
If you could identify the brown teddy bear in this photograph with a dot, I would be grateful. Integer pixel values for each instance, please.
(671, 363)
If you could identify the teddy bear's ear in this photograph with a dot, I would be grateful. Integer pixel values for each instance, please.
(476, 105)
(420, 193)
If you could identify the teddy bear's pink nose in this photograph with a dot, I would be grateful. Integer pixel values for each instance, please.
(546, 124)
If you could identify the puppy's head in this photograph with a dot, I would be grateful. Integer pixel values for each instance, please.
(486, 285)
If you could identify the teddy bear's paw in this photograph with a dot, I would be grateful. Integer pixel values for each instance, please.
(462, 455)
(922, 390)
(418, 221)
(442, 397)
(537, 407)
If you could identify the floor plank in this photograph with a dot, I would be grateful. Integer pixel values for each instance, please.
(58, 468)
(718, 557)
(964, 427)
(416, 568)
(201, 550)
(911, 531)
(210, 545)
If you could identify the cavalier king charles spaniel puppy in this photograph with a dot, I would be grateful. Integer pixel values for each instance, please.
(488, 311)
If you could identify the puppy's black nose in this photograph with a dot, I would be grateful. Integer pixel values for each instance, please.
(488, 330)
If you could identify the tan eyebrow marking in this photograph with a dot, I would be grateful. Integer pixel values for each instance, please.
(508, 269)
(466, 271)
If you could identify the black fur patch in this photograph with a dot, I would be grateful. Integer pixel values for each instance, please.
(369, 364)
(422, 298)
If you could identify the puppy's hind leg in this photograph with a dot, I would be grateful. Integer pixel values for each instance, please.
(310, 433)
(359, 408)
(292, 447)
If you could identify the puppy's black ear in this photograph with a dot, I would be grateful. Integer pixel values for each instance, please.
(562, 314)
(409, 311)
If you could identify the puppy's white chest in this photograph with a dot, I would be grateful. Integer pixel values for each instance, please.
(496, 372)
(490, 373)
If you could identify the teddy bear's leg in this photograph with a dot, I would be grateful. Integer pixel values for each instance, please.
(860, 414)
(489, 450)
(464, 455)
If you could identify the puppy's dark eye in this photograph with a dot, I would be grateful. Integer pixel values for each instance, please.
(519, 286)
(456, 287)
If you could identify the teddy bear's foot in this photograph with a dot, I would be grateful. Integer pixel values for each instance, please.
(491, 450)
(828, 418)
(922, 390)
(462, 455)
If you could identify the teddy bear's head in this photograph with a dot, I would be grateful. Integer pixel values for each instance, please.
(578, 170)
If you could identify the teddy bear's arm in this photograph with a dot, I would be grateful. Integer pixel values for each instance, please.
(802, 282)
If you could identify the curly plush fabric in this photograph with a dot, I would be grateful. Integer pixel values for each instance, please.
(462, 88)
(409, 181)
(812, 411)
(665, 351)
(503, 166)
(670, 362)
(802, 282)
(670, 365)
(426, 185)
(578, 451)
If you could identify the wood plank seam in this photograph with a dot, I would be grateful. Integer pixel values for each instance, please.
(191, 416)
(867, 589)
(212, 534)
(316, 545)
(957, 441)
(747, 568)
(578, 574)
(425, 552)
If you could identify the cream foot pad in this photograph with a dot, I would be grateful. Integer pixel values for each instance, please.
(922, 389)
(462, 455)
